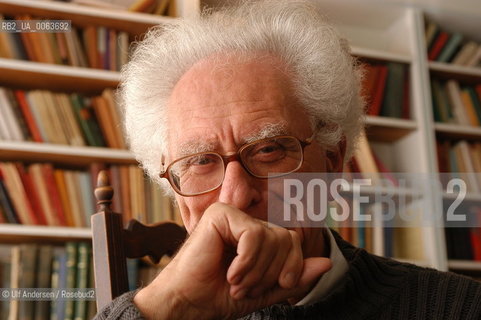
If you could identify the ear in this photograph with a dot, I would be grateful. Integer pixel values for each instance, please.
(335, 158)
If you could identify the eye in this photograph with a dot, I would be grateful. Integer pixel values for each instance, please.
(267, 151)
(200, 164)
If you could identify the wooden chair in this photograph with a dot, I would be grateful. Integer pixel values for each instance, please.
(112, 244)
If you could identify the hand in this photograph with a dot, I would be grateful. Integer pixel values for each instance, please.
(231, 265)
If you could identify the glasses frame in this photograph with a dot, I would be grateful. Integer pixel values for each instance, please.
(235, 157)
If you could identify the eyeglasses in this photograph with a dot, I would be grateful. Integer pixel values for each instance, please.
(203, 172)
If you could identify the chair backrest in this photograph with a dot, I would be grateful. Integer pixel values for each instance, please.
(112, 244)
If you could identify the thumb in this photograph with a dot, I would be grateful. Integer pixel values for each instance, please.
(312, 269)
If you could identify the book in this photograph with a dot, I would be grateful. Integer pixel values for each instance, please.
(475, 58)
(28, 115)
(469, 108)
(15, 279)
(365, 160)
(378, 95)
(17, 193)
(90, 45)
(71, 124)
(392, 104)
(438, 45)
(86, 194)
(454, 95)
(368, 83)
(100, 106)
(449, 49)
(85, 117)
(58, 281)
(467, 51)
(36, 172)
(115, 118)
(9, 120)
(71, 249)
(43, 278)
(18, 115)
(430, 32)
(441, 104)
(32, 189)
(64, 197)
(73, 190)
(57, 124)
(466, 167)
(26, 279)
(476, 102)
(6, 203)
(82, 281)
(48, 173)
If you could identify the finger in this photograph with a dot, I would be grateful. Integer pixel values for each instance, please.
(313, 268)
(265, 258)
(248, 251)
(293, 266)
(270, 278)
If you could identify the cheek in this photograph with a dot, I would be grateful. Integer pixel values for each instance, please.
(192, 209)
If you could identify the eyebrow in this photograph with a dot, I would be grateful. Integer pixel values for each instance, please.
(269, 130)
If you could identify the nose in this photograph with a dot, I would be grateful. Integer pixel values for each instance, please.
(239, 188)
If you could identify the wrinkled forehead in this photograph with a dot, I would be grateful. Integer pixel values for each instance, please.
(230, 102)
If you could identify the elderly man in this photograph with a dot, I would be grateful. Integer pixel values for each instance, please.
(216, 104)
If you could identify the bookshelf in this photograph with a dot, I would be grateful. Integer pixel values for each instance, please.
(466, 22)
(31, 75)
(378, 31)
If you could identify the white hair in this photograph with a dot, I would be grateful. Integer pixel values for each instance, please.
(325, 75)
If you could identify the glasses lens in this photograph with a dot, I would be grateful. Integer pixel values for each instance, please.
(197, 173)
(279, 155)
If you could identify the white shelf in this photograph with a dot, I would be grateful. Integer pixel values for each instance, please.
(397, 191)
(464, 265)
(471, 197)
(380, 55)
(457, 130)
(32, 151)
(47, 232)
(383, 129)
(29, 74)
(46, 8)
(391, 122)
(459, 72)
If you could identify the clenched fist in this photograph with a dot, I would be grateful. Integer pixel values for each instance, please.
(231, 265)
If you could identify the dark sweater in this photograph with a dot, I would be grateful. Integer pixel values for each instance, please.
(373, 288)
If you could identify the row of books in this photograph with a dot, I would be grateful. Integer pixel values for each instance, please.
(60, 118)
(39, 194)
(451, 47)
(366, 162)
(464, 243)
(385, 87)
(46, 266)
(462, 158)
(456, 103)
(66, 266)
(157, 7)
(91, 47)
(401, 243)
